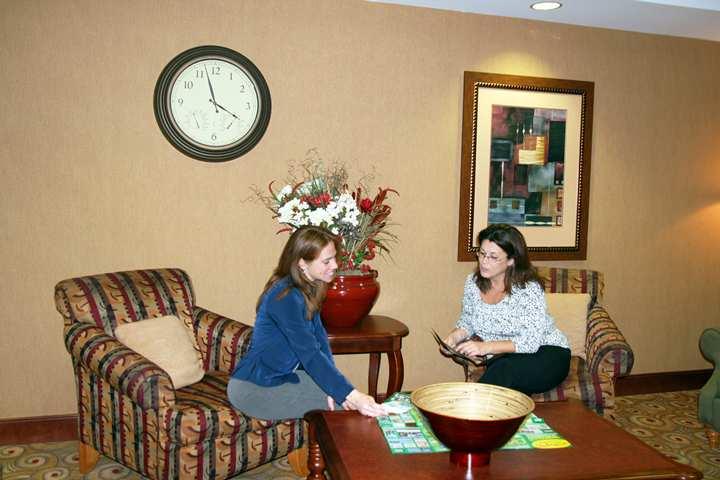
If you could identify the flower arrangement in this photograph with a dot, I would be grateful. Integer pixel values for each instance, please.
(318, 194)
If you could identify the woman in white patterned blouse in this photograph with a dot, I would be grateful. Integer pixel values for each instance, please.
(504, 305)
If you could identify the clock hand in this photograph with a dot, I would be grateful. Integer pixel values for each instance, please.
(223, 108)
(212, 93)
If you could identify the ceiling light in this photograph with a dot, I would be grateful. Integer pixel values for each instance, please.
(546, 5)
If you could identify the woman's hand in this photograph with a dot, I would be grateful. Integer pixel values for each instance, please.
(456, 336)
(475, 348)
(331, 403)
(480, 348)
(364, 404)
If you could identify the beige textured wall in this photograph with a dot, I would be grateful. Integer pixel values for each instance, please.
(88, 184)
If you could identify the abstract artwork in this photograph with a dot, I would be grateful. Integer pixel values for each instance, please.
(527, 153)
(526, 162)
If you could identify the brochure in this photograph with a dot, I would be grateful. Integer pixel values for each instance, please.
(449, 351)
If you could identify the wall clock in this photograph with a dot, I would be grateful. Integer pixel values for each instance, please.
(212, 103)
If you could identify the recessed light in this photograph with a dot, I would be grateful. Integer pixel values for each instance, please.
(546, 5)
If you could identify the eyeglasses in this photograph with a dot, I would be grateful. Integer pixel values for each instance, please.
(482, 255)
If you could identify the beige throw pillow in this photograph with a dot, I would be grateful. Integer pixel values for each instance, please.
(570, 313)
(166, 342)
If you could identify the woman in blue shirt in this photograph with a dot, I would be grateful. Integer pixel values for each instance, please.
(289, 369)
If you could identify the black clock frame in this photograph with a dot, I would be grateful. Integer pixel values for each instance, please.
(161, 104)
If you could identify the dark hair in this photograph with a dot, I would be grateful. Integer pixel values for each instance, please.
(306, 243)
(513, 244)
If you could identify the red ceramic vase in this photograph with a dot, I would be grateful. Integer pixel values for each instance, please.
(350, 298)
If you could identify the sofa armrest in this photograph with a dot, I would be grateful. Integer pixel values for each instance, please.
(223, 341)
(707, 398)
(605, 346)
(129, 372)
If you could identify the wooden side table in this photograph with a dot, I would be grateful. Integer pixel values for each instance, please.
(375, 335)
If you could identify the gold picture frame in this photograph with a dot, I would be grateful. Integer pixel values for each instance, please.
(525, 160)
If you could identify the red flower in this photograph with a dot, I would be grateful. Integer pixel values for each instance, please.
(324, 199)
(365, 205)
(317, 201)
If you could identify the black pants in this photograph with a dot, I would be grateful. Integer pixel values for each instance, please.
(529, 372)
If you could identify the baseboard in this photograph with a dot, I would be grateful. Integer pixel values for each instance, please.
(661, 382)
(55, 428)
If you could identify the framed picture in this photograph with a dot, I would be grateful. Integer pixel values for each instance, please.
(526, 162)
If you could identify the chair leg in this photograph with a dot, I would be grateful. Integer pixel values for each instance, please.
(712, 436)
(88, 457)
(298, 460)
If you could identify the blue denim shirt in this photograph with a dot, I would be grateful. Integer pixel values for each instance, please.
(284, 339)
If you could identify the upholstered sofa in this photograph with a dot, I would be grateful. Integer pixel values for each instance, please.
(128, 408)
(709, 398)
(607, 354)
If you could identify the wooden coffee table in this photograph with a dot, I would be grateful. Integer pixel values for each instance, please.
(351, 446)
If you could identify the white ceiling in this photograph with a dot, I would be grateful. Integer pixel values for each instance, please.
(681, 18)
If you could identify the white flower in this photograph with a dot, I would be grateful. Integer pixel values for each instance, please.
(348, 207)
(319, 216)
(344, 210)
(286, 190)
(334, 210)
(346, 200)
(293, 212)
(351, 217)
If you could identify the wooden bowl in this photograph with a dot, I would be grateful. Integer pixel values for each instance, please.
(472, 419)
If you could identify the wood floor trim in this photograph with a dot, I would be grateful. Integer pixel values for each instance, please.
(662, 382)
(54, 428)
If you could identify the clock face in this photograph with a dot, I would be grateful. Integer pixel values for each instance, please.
(212, 103)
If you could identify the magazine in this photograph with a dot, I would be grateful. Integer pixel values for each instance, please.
(449, 351)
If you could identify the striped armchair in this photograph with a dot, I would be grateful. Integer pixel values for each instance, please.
(608, 354)
(128, 409)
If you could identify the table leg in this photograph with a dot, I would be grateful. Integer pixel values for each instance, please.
(316, 462)
(396, 372)
(373, 372)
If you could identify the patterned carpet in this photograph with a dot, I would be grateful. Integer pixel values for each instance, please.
(665, 421)
(668, 423)
(59, 461)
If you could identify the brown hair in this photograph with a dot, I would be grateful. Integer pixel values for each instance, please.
(306, 243)
(513, 244)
